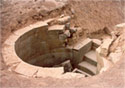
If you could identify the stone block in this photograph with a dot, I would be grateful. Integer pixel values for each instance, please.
(50, 72)
(40, 25)
(67, 26)
(64, 20)
(83, 43)
(70, 75)
(119, 29)
(76, 70)
(105, 46)
(73, 30)
(80, 49)
(87, 67)
(67, 66)
(91, 57)
(67, 33)
(96, 42)
(79, 32)
(57, 28)
(103, 63)
(26, 69)
(100, 63)
(9, 55)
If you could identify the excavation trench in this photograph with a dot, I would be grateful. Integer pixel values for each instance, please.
(57, 50)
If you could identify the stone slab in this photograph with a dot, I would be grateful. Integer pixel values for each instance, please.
(50, 72)
(96, 42)
(57, 28)
(105, 46)
(103, 63)
(70, 75)
(26, 69)
(40, 24)
(87, 67)
(76, 70)
(10, 56)
(82, 44)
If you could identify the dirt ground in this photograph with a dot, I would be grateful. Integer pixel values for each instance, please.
(91, 15)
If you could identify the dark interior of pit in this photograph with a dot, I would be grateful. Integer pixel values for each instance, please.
(55, 46)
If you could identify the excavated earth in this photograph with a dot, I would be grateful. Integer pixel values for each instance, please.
(92, 16)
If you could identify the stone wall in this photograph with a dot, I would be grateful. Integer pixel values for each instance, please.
(41, 46)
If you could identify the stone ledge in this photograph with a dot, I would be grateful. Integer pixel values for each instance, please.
(10, 56)
(50, 72)
(81, 44)
(58, 28)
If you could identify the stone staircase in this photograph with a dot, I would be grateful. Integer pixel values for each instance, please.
(90, 57)
(88, 66)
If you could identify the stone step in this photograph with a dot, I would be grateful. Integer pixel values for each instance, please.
(90, 57)
(87, 67)
(76, 70)
(95, 43)
(80, 49)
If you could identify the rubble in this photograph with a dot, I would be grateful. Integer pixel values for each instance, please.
(64, 20)
(67, 33)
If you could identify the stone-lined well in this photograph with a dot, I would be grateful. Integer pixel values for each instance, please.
(53, 48)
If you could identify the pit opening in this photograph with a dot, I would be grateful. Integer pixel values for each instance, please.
(52, 46)
(42, 48)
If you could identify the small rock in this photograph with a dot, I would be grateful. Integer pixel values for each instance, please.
(73, 11)
(67, 33)
(106, 30)
(50, 21)
(64, 20)
(67, 26)
(79, 31)
(62, 16)
(67, 66)
(73, 30)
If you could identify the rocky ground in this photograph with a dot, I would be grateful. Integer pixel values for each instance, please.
(91, 15)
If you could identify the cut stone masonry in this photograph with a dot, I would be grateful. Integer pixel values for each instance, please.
(54, 49)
